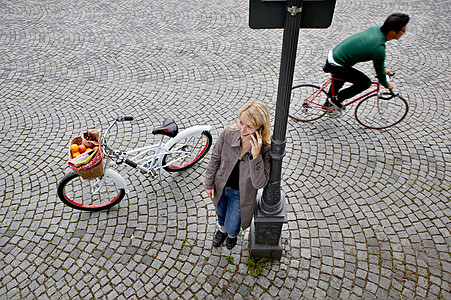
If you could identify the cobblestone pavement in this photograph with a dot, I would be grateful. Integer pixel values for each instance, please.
(368, 211)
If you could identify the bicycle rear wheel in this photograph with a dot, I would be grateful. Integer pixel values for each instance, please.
(187, 152)
(377, 113)
(89, 195)
(307, 103)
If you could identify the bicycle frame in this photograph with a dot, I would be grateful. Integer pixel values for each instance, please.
(331, 80)
(145, 162)
(140, 158)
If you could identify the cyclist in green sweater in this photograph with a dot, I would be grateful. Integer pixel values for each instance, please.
(364, 46)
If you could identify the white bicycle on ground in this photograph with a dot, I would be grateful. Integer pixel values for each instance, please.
(180, 152)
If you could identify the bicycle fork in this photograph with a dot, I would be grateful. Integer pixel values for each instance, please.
(118, 180)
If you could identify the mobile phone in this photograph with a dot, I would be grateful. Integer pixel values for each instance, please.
(259, 129)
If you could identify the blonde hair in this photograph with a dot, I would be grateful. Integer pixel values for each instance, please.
(258, 115)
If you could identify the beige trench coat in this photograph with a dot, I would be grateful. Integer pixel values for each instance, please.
(254, 173)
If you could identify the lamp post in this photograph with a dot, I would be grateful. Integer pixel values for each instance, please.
(270, 215)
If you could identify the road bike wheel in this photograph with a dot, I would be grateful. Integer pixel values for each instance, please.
(307, 103)
(76, 192)
(377, 113)
(187, 152)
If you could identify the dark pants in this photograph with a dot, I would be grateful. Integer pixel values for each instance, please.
(348, 74)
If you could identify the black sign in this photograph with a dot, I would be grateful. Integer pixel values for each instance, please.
(271, 13)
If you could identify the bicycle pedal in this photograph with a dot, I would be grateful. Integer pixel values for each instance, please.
(334, 112)
(151, 172)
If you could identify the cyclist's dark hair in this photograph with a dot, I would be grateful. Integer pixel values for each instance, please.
(395, 22)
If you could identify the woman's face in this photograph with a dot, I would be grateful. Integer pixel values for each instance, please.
(246, 128)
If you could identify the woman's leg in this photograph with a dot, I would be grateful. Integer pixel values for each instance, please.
(221, 212)
(229, 217)
(233, 217)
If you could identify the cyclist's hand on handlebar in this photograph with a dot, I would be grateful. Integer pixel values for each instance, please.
(210, 193)
(391, 85)
(387, 71)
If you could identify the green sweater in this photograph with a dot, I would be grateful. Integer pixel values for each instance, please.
(364, 46)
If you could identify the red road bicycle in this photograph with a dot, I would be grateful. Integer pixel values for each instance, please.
(376, 109)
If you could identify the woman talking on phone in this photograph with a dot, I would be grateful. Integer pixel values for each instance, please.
(239, 166)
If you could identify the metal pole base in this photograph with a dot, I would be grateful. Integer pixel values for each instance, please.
(266, 233)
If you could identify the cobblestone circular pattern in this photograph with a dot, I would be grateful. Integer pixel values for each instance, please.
(368, 211)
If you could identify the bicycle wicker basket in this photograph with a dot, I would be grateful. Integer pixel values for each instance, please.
(90, 173)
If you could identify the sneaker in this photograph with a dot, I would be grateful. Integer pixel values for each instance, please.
(231, 242)
(337, 103)
(326, 105)
(219, 238)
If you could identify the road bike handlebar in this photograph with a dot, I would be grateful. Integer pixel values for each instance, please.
(392, 94)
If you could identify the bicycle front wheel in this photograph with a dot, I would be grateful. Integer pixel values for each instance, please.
(187, 152)
(89, 195)
(377, 113)
(307, 103)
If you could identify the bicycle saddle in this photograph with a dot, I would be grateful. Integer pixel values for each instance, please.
(168, 128)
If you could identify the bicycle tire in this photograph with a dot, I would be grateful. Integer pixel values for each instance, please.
(193, 147)
(304, 105)
(75, 192)
(377, 113)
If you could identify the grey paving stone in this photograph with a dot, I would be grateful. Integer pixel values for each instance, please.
(368, 211)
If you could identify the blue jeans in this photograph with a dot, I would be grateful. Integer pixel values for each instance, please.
(228, 211)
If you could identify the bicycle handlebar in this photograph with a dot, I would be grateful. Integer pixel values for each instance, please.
(124, 118)
(115, 154)
(119, 119)
(392, 94)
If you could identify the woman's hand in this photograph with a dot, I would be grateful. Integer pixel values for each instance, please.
(256, 144)
(211, 193)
